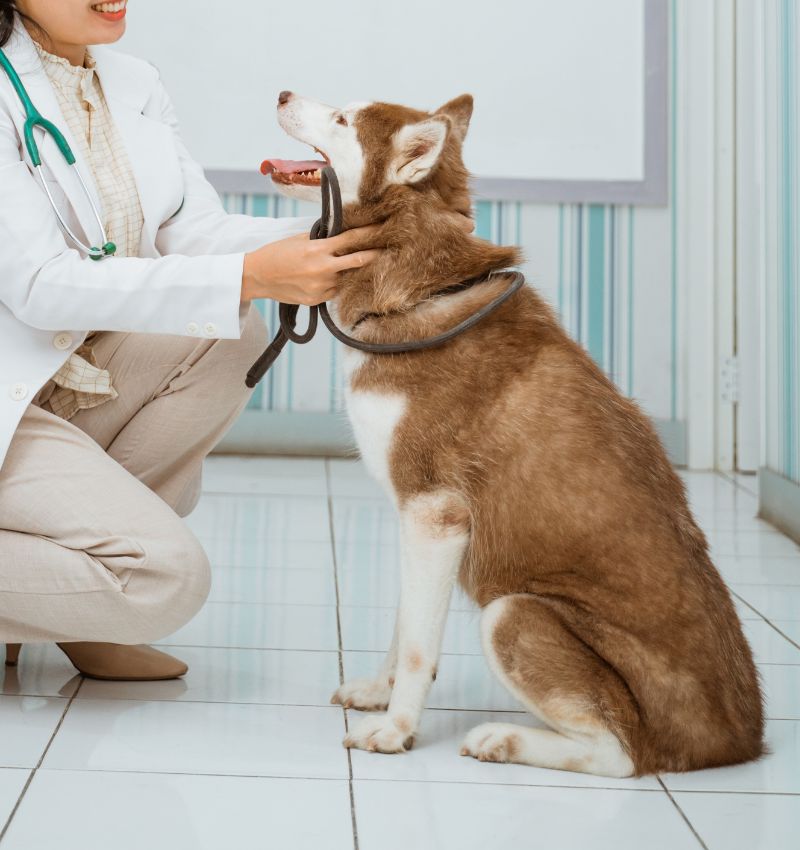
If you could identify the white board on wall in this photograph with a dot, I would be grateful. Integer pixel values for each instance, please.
(559, 86)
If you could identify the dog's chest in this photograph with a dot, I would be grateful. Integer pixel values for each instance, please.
(374, 416)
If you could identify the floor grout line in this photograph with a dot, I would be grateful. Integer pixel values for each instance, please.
(86, 700)
(294, 648)
(39, 763)
(682, 813)
(151, 699)
(765, 619)
(13, 811)
(351, 790)
(732, 479)
(414, 780)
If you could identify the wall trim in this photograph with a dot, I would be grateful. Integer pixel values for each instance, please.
(271, 432)
(779, 502)
(263, 432)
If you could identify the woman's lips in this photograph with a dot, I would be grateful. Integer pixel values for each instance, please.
(111, 11)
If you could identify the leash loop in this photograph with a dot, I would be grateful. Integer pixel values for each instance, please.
(330, 224)
(289, 317)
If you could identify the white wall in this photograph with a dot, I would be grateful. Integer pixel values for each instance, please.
(559, 87)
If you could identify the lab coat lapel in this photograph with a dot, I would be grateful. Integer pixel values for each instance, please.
(148, 142)
(23, 56)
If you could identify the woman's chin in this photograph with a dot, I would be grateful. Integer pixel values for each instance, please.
(107, 32)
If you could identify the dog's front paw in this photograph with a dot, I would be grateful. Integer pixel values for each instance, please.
(364, 694)
(380, 733)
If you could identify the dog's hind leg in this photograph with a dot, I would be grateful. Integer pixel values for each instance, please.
(562, 681)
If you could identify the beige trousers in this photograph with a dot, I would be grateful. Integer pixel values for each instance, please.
(92, 545)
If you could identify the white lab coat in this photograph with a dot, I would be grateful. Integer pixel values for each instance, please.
(187, 278)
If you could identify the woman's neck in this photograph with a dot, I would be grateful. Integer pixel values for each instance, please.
(75, 54)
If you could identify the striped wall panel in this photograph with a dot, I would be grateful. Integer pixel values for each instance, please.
(605, 269)
(781, 322)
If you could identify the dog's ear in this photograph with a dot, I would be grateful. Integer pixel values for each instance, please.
(459, 111)
(417, 148)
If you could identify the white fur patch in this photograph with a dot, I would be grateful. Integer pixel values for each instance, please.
(374, 417)
(319, 125)
(352, 361)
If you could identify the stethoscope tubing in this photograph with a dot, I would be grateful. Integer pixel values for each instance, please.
(34, 118)
(93, 252)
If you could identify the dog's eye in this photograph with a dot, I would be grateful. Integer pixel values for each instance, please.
(340, 119)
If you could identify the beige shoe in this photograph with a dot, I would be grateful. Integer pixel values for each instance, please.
(114, 661)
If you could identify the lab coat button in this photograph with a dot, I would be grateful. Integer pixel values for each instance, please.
(62, 341)
(210, 329)
(18, 391)
(192, 328)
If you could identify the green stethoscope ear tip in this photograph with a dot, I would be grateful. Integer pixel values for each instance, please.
(108, 250)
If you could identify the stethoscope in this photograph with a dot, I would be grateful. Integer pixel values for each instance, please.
(34, 118)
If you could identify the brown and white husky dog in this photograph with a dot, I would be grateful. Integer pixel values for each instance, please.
(518, 469)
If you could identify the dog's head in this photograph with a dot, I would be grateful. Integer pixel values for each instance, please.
(373, 147)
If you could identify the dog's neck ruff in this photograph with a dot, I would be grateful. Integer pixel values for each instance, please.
(453, 289)
(330, 224)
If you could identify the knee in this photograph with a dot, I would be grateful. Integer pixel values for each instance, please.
(172, 584)
(234, 357)
(254, 336)
(438, 514)
(491, 615)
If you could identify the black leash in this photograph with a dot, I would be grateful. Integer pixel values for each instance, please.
(324, 227)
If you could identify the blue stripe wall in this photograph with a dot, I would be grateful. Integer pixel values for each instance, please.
(783, 326)
(601, 267)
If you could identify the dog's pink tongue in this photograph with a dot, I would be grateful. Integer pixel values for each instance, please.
(291, 166)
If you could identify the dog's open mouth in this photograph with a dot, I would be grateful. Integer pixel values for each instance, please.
(296, 172)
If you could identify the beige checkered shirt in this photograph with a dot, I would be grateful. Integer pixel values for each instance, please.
(79, 383)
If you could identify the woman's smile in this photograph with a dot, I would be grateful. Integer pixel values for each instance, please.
(111, 11)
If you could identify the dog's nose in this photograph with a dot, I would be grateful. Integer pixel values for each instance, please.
(284, 97)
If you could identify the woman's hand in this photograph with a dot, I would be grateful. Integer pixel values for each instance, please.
(299, 270)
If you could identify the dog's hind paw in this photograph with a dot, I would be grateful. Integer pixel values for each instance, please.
(364, 694)
(492, 742)
(380, 733)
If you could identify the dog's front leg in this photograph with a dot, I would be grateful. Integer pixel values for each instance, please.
(371, 694)
(434, 531)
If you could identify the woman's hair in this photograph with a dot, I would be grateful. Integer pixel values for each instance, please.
(6, 20)
(8, 8)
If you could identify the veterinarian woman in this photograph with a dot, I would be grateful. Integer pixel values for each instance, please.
(118, 375)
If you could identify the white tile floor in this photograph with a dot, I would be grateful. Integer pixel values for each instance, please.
(245, 752)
